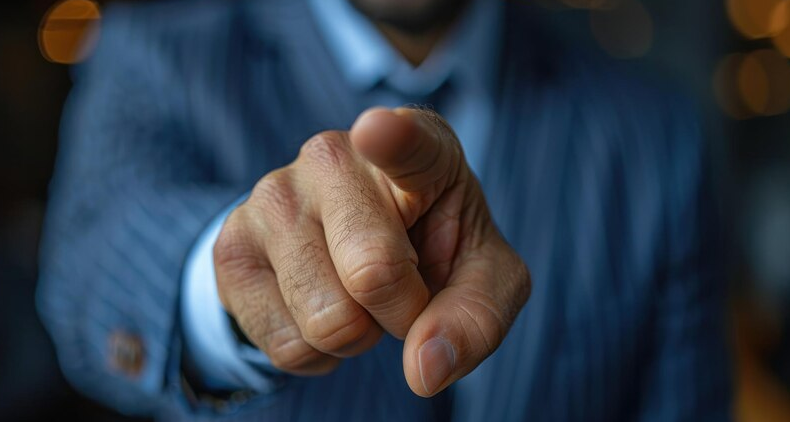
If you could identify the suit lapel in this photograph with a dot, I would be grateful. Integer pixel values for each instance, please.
(292, 88)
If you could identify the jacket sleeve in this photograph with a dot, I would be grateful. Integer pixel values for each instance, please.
(131, 192)
(688, 377)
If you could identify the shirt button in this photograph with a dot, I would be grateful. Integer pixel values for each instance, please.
(127, 353)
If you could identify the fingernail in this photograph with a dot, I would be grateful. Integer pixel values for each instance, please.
(437, 360)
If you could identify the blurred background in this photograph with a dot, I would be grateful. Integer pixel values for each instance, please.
(731, 55)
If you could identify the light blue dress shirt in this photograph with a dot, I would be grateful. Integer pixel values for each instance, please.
(468, 57)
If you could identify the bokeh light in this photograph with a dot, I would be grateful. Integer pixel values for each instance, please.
(69, 31)
(624, 31)
(781, 40)
(764, 82)
(758, 18)
(754, 84)
(725, 87)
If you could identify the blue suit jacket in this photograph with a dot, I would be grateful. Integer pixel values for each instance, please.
(597, 180)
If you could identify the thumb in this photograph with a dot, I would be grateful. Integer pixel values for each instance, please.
(416, 149)
(467, 320)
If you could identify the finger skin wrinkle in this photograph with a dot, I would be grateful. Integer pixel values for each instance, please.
(413, 204)
(514, 285)
(463, 316)
(413, 153)
(258, 329)
(238, 284)
(268, 339)
(292, 354)
(431, 163)
(410, 206)
(275, 198)
(330, 337)
(370, 279)
(300, 274)
(356, 205)
(443, 130)
(236, 258)
(329, 150)
(477, 317)
(235, 249)
(452, 220)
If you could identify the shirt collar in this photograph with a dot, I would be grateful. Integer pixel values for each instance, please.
(469, 53)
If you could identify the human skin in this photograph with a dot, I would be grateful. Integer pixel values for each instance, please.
(413, 27)
(381, 228)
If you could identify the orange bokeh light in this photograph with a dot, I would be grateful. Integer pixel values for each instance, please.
(758, 18)
(69, 31)
(764, 82)
(725, 87)
(754, 84)
(781, 40)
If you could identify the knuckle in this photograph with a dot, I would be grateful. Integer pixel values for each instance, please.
(299, 265)
(379, 278)
(337, 327)
(233, 246)
(274, 331)
(276, 201)
(355, 207)
(328, 148)
(517, 286)
(513, 286)
(275, 196)
(257, 316)
(292, 354)
(300, 274)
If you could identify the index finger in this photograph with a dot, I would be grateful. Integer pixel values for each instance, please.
(417, 151)
(366, 238)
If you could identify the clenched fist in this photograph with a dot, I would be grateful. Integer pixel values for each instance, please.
(380, 228)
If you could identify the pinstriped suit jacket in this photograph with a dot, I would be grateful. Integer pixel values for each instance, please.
(596, 179)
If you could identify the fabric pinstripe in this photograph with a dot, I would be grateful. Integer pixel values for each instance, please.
(596, 179)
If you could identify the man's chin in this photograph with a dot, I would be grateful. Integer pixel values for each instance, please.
(411, 16)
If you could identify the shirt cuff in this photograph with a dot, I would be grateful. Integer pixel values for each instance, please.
(221, 361)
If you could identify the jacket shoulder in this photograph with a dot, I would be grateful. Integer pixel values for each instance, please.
(180, 33)
(170, 17)
(567, 68)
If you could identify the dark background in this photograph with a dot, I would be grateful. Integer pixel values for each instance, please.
(751, 161)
